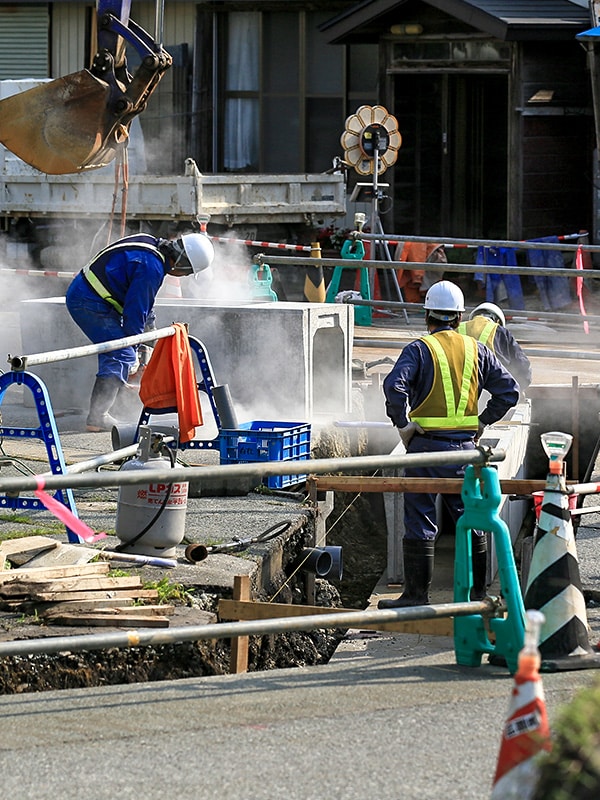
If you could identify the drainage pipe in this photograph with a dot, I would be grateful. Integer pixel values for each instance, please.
(261, 627)
(19, 363)
(258, 469)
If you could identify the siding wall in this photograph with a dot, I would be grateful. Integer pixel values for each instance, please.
(24, 42)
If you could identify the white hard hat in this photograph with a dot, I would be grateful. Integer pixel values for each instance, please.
(490, 310)
(199, 250)
(444, 300)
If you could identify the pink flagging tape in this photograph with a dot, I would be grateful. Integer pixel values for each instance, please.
(64, 514)
(579, 288)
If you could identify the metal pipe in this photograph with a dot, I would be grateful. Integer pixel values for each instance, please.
(516, 315)
(518, 245)
(107, 458)
(228, 630)
(23, 362)
(259, 469)
(467, 268)
(392, 344)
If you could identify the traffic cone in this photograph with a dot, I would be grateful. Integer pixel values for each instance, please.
(171, 287)
(526, 731)
(554, 583)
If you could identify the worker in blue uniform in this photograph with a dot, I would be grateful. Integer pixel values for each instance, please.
(432, 396)
(113, 297)
(487, 324)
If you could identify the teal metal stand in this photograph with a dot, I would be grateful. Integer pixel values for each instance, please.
(482, 496)
(261, 281)
(47, 432)
(353, 250)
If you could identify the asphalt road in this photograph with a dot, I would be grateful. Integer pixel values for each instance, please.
(387, 719)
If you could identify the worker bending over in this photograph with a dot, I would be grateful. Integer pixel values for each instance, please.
(487, 323)
(113, 296)
(432, 398)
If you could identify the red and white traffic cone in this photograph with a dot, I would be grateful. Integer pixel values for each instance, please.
(526, 731)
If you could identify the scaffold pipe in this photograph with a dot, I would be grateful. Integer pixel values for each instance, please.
(229, 630)
(256, 469)
(517, 245)
(19, 363)
(297, 261)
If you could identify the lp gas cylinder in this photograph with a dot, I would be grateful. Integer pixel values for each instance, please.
(151, 516)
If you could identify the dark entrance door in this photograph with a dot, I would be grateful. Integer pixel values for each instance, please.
(451, 174)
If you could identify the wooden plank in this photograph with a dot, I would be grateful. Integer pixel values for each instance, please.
(75, 609)
(45, 607)
(113, 594)
(238, 659)
(240, 610)
(40, 574)
(350, 483)
(248, 610)
(18, 551)
(94, 583)
(111, 621)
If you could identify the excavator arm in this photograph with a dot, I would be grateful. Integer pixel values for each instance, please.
(82, 120)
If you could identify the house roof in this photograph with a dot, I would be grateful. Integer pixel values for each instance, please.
(508, 20)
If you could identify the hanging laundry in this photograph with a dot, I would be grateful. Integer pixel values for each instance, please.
(495, 284)
(554, 292)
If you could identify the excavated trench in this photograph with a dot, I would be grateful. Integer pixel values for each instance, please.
(360, 531)
(356, 523)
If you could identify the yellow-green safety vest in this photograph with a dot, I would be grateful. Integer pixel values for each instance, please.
(450, 406)
(480, 328)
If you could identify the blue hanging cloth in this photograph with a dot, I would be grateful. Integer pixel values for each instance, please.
(555, 293)
(505, 257)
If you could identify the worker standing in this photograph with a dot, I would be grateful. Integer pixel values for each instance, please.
(113, 296)
(487, 324)
(432, 397)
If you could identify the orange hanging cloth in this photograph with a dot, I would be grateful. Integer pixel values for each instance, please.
(169, 381)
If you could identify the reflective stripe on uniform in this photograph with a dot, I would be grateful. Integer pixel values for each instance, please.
(458, 416)
(480, 328)
(95, 282)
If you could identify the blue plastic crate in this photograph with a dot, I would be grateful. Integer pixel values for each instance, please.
(261, 440)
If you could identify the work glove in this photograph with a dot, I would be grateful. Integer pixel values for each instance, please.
(407, 433)
(479, 434)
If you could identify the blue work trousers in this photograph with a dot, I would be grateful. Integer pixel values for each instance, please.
(419, 508)
(100, 322)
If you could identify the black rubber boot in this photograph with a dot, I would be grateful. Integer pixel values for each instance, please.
(103, 396)
(479, 563)
(418, 571)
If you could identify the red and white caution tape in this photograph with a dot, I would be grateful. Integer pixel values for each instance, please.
(301, 248)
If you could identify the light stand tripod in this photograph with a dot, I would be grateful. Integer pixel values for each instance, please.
(380, 145)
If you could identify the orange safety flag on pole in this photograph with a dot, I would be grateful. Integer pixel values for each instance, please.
(169, 381)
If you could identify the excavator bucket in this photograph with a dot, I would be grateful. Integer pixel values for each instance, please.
(81, 121)
(57, 127)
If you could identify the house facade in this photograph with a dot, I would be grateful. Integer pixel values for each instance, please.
(493, 100)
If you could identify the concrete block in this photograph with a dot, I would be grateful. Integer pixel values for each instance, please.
(282, 361)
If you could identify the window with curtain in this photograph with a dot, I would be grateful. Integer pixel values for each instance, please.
(283, 93)
(241, 124)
